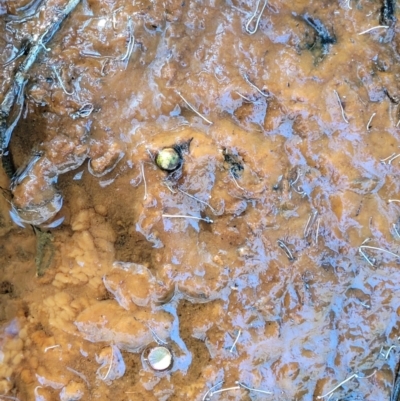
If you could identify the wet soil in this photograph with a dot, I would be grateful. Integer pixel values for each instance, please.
(288, 131)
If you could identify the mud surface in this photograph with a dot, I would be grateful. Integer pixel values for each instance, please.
(288, 158)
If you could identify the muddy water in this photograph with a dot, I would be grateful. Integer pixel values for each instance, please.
(274, 292)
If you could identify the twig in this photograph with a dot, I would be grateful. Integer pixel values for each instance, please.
(361, 247)
(81, 375)
(386, 158)
(310, 223)
(131, 43)
(113, 16)
(354, 375)
(373, 28)
(35, 391)
(394, 157)
(235, 181)
(20, 76)
(283, 246)
(395, 230)
(85, 111)
(252, 389)
(61, 82)
(211, 389)
(23, 171)
(247, 79)
(51, 347)
(251, 32)
(388, 351)
(198, 200)
(144, 181)
(369, 121)
(341, 106)
(206, 219)
(193, 109)
(225, 389)
(20, 103)
(155, 336)
(393, 200)
(317, 231)
(244, 97)
(389, 159)
(236, 340)
(111, 363)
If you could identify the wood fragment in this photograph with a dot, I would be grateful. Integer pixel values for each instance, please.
(21, 75)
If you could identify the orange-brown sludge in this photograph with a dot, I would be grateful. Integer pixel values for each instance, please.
(245, 261)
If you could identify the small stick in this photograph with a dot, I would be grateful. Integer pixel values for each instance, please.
(354, 375)
(236, 340)
(81, 375)
(366, 257)
(24, 171)
(369, 122)
(225, 389)
(131, 43)
(235, 181)
(206, 219)
(395, 230)
(341, 106)
(348, 5)
(393, 200)
(366, 240)
(198, 200)
(386, 158)
(20, 103)
(246, 78)
(394, 157)
(51, 347)
(61, 82)
(244, 97)
(35, 391)
(374, 27)
(111, 362)
(283, 246)
(252, 389)
(379, 249)
(211, 389)
(251, 32)
(168, 185)
(114, 22)
(310, 223)
(155, 336)
(144, 181)
(84, 111)
(317, 231)
(193, 109)
(398, 123)
(388, 351)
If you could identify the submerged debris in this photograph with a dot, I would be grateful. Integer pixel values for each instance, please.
(19, 80)
(323, 38)
(387, 12)
(83, 112)
(233, 162)
(247, 27)
(324, 35)
(44, 251)
(25, 12)
(112, 364)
